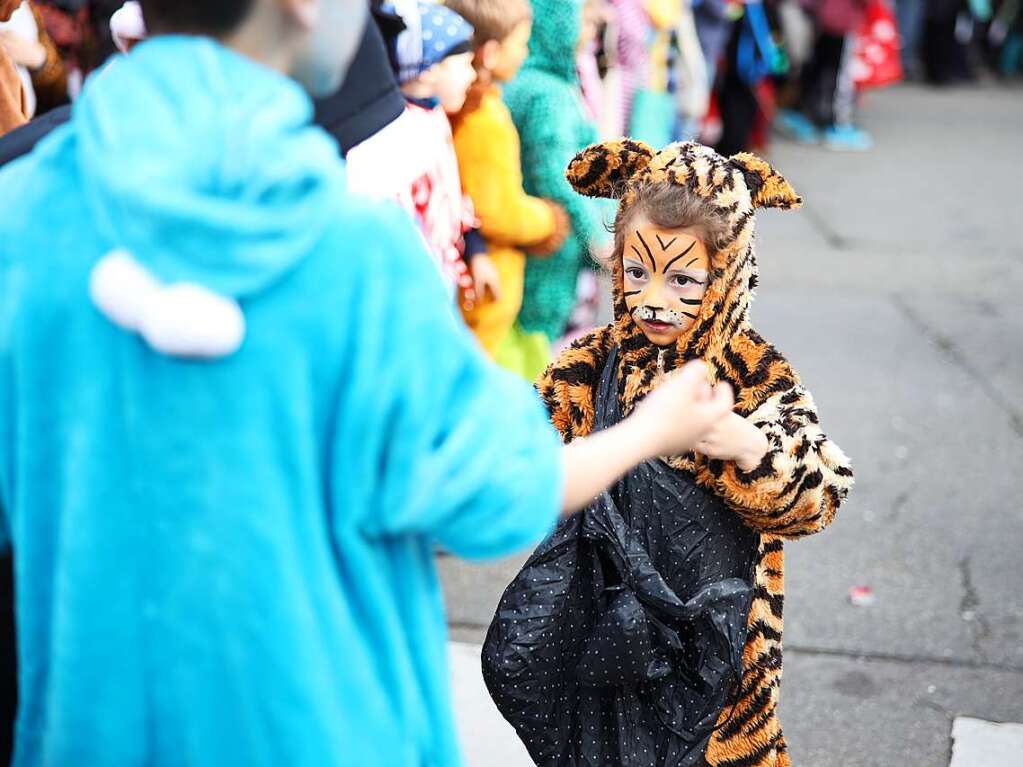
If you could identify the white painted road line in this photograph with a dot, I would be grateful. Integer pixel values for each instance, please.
(977, 743)
(487, 740)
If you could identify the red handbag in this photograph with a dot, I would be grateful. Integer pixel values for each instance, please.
(876, 61)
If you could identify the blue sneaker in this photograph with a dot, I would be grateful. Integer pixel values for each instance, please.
(847, 138)
(796, 126)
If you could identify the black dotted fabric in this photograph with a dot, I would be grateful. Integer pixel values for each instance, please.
(620, 641)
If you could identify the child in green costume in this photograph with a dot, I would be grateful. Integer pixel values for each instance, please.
(548, 111)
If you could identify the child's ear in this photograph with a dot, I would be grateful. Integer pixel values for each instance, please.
(767, 187)
(488, 55)
(602, 170)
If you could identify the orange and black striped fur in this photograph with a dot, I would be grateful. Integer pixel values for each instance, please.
(804, 477)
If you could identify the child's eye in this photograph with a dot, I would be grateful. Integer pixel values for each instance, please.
(635, 274)
(680, 280)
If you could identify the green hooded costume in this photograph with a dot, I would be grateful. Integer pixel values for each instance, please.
(548, 111)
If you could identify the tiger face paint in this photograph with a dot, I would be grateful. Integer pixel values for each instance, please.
(665, 276)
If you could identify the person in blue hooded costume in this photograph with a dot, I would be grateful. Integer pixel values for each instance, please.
(237, 417)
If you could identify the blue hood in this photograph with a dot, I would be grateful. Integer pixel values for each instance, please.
(205, 165)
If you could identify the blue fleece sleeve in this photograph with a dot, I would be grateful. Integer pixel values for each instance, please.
(7, 287)
(442, 443)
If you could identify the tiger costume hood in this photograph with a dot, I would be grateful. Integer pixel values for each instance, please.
(803, 478)
(735, 188)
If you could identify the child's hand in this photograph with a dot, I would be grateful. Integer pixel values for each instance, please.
(733, 438)
(485, 277)
(683, 410)
(562, 228)
(671, 420)
(26, 53)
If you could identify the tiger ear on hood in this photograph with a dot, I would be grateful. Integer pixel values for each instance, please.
(603, 170)
(767, 187)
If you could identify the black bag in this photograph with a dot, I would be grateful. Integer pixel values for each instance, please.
(620, 641)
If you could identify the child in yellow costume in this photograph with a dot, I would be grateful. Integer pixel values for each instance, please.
(487, 145)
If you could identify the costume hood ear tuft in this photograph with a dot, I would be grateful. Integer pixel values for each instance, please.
(767, 187)
(603, 170)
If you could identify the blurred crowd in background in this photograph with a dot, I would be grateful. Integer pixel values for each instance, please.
(467, 112)
(517, 245)
(697, 52)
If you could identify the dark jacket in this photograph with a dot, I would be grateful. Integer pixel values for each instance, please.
(368, 100)
(23, 140)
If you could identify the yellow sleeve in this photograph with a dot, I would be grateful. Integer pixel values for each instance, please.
(487, 146)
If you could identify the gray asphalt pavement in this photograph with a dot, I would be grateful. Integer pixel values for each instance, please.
(896, 292)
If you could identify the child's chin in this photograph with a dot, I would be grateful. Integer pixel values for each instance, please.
(661, 339)
(453, 107)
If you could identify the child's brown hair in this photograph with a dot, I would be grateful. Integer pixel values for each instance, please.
(671, 207)
(492, 19)
(683, 186)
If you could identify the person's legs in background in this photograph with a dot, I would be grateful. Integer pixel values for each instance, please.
(944, 57)
(738, 104)
(910, 15)
(713, 30)
(820, 79)
(841, 132)
(827, 98)
(815, 106)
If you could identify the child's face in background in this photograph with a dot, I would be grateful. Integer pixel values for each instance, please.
(452, 78)
(510, 53)
(665, 276)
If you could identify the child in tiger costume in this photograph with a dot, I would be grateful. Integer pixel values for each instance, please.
(684, 272)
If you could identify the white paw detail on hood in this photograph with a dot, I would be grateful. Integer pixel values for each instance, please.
(179, 320)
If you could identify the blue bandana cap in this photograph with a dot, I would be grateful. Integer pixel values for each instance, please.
(432, 33)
